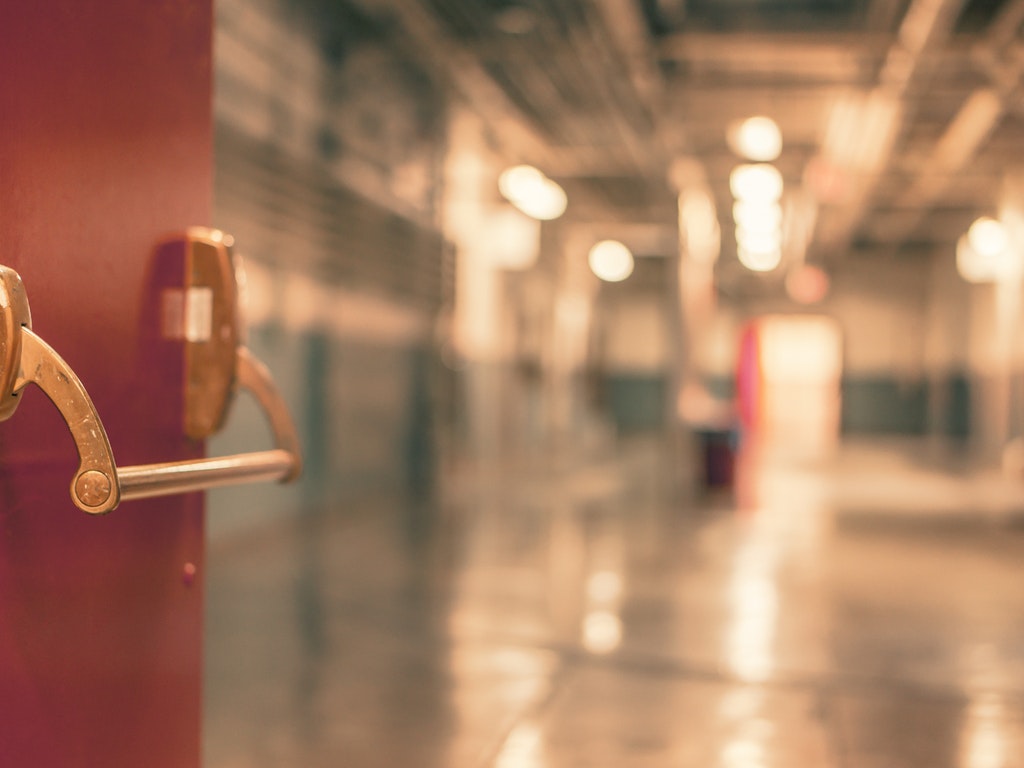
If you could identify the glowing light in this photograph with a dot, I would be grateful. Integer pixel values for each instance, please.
(611, 261)
(524, 747)
(756, 183)
(758, 242)
(984, 741)
(756, 138)
(217, 236)
(977, 266)
(514, 239)
(759, 251)
(971, 265)
(602, 632)
(757, 217)
(743, 753)
(754, 599)
(519, 180)
(807, 284)
(987, 237)
(759, 261)
(532, 192)
(803, 348)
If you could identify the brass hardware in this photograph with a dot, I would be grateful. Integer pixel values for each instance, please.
(94, 487)
(216, 363)
(210, 326)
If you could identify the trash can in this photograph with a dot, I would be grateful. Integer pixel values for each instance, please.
(717, 450)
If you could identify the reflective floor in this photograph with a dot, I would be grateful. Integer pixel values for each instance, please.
(578, 613)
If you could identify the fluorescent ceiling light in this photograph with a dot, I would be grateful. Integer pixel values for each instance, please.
(757, 217)
(756, 138)
(760, 261)
(987, 236)
(760, 183)
(611, 261)
(532, 192)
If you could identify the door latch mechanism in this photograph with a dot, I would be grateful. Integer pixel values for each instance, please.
(204, 314)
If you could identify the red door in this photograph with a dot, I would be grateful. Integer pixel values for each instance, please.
(105, 147)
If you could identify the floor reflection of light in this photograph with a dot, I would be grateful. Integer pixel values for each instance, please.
(739, 714)
(754, 603)
(485, 676)
(602, 631)
(743, 753)
(523, 748)
(603, 590)
(983, 738)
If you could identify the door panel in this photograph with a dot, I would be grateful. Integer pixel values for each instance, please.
(105, 148)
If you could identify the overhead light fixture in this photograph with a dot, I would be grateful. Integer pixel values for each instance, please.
(611, 261)
(977, 266)
(757, 217)
(756, 138)
(759, 261)
(533, 193)
(987, 236)
(972, 266)
(984, 253)
(760, 242)
(759, 251)
(759, 183)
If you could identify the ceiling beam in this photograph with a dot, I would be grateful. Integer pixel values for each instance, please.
(843, 57)
(878, 120)
(973, 124)
(461, 68)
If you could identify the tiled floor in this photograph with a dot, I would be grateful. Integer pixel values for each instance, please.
(573, 616)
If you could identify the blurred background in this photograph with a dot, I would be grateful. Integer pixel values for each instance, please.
(660, 373)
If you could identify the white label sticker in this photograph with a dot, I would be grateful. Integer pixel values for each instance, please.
(198, 314)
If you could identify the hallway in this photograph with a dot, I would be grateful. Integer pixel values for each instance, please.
(567, 613)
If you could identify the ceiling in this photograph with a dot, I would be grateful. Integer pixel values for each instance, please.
(899, 118)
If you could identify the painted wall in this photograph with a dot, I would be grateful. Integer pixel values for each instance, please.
(882, 311)
(976, 342)
(881, 308)
(326, 171)
(947, 351)
(635, 358)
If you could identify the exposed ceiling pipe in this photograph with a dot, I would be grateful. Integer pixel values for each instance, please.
(1004, 26)
(461, 68)
(831, 58)
(626, 28)
(975, 121)
(630, 115)
(515, 132)
(966, 132)
(925, 26)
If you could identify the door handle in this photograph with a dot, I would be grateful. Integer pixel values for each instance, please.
(216, 364)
